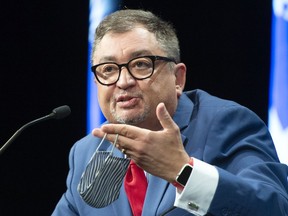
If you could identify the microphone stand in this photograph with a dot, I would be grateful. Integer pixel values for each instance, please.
(18, 132)
(58, 113)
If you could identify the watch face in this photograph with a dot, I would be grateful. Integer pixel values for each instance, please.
(184, 175)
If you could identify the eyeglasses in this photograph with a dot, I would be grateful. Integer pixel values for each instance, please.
(108, 73)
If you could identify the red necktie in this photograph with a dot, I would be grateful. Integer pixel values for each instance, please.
(135, 186)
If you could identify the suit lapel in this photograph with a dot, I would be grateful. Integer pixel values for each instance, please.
(155, 194)
(121, 206)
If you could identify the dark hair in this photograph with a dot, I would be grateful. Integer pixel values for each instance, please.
(125, 20)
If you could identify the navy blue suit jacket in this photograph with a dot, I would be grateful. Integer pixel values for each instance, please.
(219, 132)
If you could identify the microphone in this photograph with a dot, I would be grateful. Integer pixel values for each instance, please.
(57, 113)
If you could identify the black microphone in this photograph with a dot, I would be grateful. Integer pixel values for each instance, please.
(57, 113)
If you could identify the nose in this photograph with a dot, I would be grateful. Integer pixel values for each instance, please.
(125, 79)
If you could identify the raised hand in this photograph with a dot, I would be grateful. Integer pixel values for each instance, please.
(160, 153)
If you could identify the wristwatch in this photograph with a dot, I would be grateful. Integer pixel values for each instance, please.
(183, 175)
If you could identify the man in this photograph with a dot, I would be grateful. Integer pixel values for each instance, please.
(202, 155)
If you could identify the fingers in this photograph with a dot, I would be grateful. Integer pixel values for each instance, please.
(135, 139)
(98, 132)
(133, 132)
(124, 130)
(164, 117)
(116, 134)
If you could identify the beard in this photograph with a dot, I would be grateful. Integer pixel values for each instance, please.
(130, 119)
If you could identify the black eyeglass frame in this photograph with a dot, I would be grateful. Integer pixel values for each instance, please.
(153, 59)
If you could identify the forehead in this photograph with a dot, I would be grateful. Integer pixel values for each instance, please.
(124, 46)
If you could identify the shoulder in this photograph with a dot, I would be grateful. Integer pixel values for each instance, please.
(210, 105)
(203, 98)
(86, 144)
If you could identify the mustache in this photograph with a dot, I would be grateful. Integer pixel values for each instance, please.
(123, 96)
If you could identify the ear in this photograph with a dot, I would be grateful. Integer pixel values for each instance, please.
(180, 74)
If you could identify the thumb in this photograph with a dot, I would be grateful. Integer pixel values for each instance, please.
(164, 117)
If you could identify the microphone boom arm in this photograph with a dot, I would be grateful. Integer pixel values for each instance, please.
(57, 113)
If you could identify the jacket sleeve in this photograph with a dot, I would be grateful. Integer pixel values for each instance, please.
(251, 180)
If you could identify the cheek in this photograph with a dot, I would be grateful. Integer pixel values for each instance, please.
(104, 97)
(161, 90)
(164, 85)
(105, 106)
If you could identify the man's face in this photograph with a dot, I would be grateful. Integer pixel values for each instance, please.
(132, 101)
